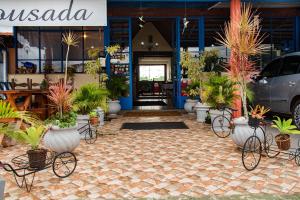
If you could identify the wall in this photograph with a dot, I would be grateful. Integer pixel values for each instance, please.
(142, 35)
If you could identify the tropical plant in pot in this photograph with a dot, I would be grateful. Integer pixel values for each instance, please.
(62, 135)
(8, 114)
(285, 128)
(117, 87)
(32, 136)
(256, 115)
(192, 92)
(94, 120)
(219, 93)
(242, 36)
(88, 98)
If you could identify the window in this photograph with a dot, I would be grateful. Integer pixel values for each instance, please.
(40, 49)
(152, 72)
(291, 65)
(272, 69)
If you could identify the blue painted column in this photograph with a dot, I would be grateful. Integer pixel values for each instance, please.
(106, 43)
(201, 28)
(179, 100)
(297, 33)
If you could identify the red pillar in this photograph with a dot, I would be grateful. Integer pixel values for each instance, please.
(235, 15)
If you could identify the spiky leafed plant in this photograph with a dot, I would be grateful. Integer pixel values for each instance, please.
(8, 112)
(60, 97)
(243, 37)
(70, 39)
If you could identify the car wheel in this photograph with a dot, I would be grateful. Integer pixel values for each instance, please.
(296, 113)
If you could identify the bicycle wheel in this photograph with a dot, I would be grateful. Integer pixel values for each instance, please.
(221, 126)
(91, 135)
(269, 146)
(64, 164)
(251, 153)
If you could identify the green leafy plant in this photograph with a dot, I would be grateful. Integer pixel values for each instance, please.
(89, 97)
(8, 112)
(117, 87)
(93, 114)
(211, 58)
(285, 126)
(192, 90)
(65, 121)
(219, 91)
(31, 136)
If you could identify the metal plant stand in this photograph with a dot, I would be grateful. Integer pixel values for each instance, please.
(222, 125)
(90, 133)
(256, 146)
(62, 164)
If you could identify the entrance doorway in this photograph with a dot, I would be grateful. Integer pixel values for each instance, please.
(153, 47)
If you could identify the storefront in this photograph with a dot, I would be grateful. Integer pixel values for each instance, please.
(150, 33)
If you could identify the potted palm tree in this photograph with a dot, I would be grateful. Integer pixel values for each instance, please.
(62, 135)
(219, 92)
(117, 87)
(88, 98)
(285, 128)
(243, 39)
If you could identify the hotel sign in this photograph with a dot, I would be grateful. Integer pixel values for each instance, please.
(53, 12)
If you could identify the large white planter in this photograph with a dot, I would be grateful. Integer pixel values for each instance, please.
(189, 105)
(201, 110)
(114, 107)
(242, 131)
(62, 139)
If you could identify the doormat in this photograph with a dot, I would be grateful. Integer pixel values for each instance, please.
(149, 103)
(154, 125)
(151, 113)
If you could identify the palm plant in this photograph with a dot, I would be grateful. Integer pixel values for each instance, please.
(8, 112)
(117, 87)
(89, 97)
(243, 38)
(70, 39)
(219, 91)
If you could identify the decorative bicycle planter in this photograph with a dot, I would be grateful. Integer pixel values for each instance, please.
(254, 148)
(90, 132)
(221, 123)
(63, 165)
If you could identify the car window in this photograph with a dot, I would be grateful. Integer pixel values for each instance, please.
(271, 69)
(291, 65)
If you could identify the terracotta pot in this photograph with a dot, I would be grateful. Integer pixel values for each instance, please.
(37, 158)
(94, 120)
(283, 141)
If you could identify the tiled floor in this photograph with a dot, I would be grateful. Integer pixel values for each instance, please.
(158, 164)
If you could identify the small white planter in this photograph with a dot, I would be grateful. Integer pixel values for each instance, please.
(201, 110)
(62, 139)
(242, 131)
(189, 105)
(114, 107)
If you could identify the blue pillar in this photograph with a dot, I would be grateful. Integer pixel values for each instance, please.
(201, 28)
(297, 33)
(179, 100)
(106, 43)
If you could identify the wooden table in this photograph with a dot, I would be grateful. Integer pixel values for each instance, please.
(13, 95)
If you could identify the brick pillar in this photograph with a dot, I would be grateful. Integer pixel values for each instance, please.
(235, 15)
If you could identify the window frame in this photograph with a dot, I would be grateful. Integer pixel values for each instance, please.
(165, 72)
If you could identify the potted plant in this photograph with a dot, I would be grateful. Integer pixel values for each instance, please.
(256, 115)
(88, 98)
(8, 114)
(219, 93)
(93, 118)
(32, 136)
(192, 92)
(285, 128)
(62, 135)
(117, 87)
(242, 37)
